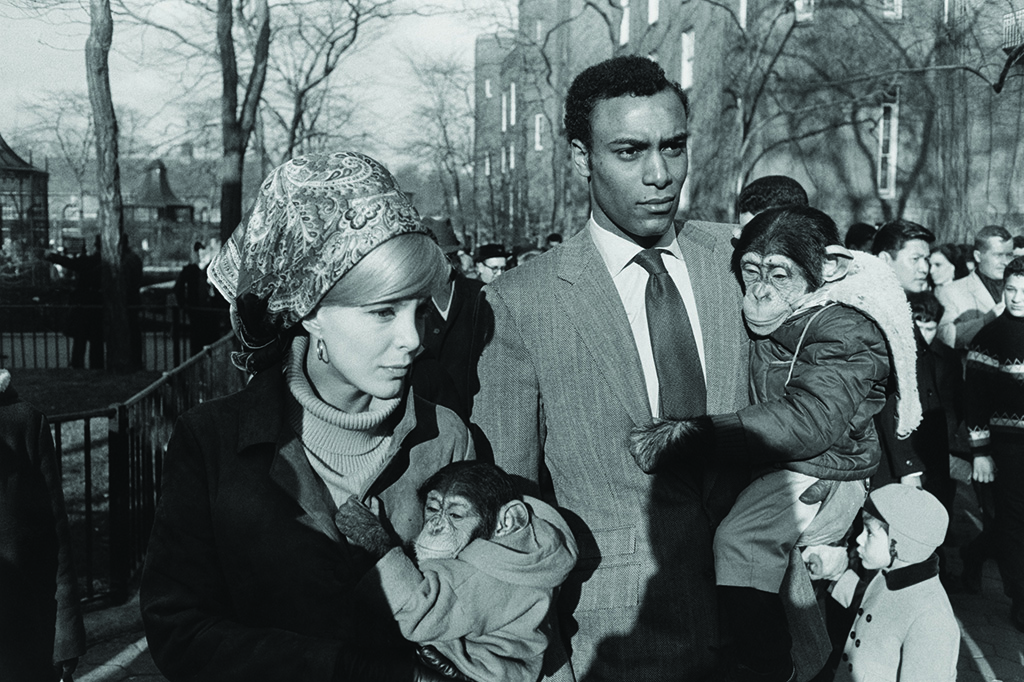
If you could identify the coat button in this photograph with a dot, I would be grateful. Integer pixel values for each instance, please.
(846, 657)
(436, 330)
(850, 667)
(853, 635)
(860, 612)
(857, 643)
(868, 619)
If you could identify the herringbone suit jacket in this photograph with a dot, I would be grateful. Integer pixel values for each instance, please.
(560, 388)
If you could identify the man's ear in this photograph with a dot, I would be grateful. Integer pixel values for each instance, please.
(581, 158)
(512, 517)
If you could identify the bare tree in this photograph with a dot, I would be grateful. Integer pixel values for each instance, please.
(62, 126)
(444, 125)
(309, 42)
(108, 182)
(235, 36)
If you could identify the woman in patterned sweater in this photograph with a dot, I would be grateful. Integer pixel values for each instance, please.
(995, 421)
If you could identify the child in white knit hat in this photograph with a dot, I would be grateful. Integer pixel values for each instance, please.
(905, 629)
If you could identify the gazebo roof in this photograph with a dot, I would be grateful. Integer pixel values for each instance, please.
(11, 163)
(155, 191)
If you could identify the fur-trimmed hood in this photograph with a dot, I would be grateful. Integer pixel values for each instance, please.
(871, 287)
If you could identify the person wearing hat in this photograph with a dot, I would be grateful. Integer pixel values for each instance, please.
(250, 574)
(904, 628)
(491, 261)
(442, 372)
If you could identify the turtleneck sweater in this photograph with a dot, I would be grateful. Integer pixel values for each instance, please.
(347, 450)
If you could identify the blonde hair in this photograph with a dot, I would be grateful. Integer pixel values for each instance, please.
(406, 266)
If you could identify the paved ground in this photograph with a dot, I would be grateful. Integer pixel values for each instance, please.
(991, 650)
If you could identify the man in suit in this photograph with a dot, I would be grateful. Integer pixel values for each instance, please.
(573, 363)
(441, 373)
(975, 300)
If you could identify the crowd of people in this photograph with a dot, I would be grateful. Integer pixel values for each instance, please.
(652, 452)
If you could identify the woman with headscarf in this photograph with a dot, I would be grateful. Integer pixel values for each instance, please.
(247, 575)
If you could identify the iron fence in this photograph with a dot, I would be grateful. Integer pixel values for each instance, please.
(112, 460)
(39, 336)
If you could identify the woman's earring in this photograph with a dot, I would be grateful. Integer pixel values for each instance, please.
(321, 351)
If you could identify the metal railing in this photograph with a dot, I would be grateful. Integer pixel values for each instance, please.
(36, 336)
(112, 475)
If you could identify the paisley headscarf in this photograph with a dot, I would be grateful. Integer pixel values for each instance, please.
(316, 216)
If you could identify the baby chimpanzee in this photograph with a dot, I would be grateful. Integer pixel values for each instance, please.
(488, 559)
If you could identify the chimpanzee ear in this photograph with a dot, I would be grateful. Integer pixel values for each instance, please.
(512, 516)
(837, 263)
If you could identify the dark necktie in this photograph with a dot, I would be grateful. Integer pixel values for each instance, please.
(682, 392)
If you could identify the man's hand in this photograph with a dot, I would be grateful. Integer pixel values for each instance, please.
(825, 562)
(363, 529)
(984, 469)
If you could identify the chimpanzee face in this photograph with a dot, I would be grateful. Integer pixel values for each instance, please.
(772, 287)
(450, 522)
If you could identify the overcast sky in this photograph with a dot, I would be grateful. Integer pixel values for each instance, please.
(48, 53)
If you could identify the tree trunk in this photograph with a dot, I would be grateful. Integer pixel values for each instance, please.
(237, 125)
(108, 182)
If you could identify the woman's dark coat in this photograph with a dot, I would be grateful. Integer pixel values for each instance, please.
(247, 577)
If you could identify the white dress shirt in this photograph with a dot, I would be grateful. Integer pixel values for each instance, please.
(630, 280)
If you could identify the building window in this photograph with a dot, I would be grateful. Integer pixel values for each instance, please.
(487, 88)
(511, 207)
(504, 112)
(804, 10)
(686, 65)
(538, 124)
(512, 104)
(653, 6)
(538, 31)
(487, 165)
(511, 155)
(892, 9)
(888, 144)
(504, 161)
(624, 24)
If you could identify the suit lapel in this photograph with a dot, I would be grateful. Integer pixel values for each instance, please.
(592, 304)
(704, 263)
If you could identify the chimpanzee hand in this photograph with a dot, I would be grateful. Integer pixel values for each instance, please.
(436, 661)
(818, 491)
(362, 528)
(663, 440)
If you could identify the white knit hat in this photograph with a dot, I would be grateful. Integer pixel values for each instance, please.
(917, 520)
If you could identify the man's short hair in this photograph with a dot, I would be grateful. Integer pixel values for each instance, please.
(988, 232)
(859, 234)
(1018, 241)
(924, 306)
(615, 77)
(894, 235)
(771, 191)
(1014, 268)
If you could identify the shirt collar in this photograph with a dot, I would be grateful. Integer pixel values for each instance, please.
(617, 251)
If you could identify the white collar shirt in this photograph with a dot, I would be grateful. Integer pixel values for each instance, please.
(630, 281)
